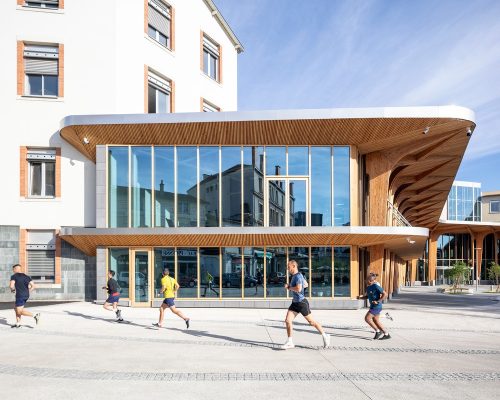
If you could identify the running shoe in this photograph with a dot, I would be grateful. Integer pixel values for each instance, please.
(37, 318)
(119, 314)
(385, 337)
(119, 320)
(187, 323)
(156, 325)
(378, 335)
(287, 345)
(326, 340)
(15, 326)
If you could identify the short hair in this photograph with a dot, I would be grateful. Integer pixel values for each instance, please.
(372, 276)
(294, 262)
(166, 271)
(112, 272)
(16, 265)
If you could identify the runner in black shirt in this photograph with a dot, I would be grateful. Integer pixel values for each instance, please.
(21, 285)
(113, 289)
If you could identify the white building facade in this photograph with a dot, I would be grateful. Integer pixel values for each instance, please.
(91, 57)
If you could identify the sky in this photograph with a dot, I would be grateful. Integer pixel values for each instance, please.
(374, 53)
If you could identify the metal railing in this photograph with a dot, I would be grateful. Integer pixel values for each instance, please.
(395, 217)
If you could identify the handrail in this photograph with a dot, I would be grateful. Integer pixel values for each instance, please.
(396, 218)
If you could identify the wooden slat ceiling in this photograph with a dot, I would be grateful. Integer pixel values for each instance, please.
(464, 227)
(423, 175)
(88, 243)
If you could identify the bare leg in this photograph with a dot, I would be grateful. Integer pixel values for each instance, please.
(309, 318)
(369, 321)
(18, 311)
(107, 306)
(178, 313)
(162, 313)
(290, 316)
(376, 321)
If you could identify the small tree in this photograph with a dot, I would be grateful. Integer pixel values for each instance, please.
(494, 274)
(457, 273)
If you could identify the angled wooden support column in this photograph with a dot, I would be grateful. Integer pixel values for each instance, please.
(378, 168)
(413, 271)
(431, 271)
(377, 259)
(479, 253)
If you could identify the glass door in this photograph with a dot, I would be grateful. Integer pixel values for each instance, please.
(141, 277)
(287, 201)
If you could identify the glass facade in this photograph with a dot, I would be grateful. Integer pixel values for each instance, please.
(464, 202)
(213, 186)
(230, 272)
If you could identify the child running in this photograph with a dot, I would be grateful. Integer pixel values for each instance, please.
(375, 295)
(111, 303)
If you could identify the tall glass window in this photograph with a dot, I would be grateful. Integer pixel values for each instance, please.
(301, 255)
(231, 272)
(341, 191)
(342, 271)
(298, 161)
(277, 202)
(253, 186)
(276, 271)
(119, 262)
(164, 258)
(187, 272)
(254, 259)
(275, 160)
(187, 191)
(118, 187)
(321, 271)
(209, 272)
(164, 186)
(141, 186)
(209, 186)
(297, 190)
(231, 186)
(321, 186)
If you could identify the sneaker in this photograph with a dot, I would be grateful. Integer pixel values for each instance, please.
(326, 340)
(119, 314)
(385, 337)
(287, 345)
(378, 335)
(120, 319)
(156, 325)
(15, 326)
(37, 318)
(187, 323)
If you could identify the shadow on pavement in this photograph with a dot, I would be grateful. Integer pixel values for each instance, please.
(34, 303)
(112, 321)
(316, 332)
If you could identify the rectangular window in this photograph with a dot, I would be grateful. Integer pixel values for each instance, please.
(41, 69)
(118, 187)
(159, 94)
(494, 206)
(41, 172)
(41, 255)
(209, 107)
(211, 58)
(160, 22)
(52, 4)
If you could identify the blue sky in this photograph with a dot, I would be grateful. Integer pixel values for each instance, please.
(364, 53)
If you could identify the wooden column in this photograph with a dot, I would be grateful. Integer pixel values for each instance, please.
(413, 271)
(378, 168)
(431, 272)
(377, 259)
(355, 290)
(479, 253)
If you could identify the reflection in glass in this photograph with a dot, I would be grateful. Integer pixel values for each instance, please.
(321, 271)
(254, 258)
(209, 186)
(341, 192)
(118, 187)
(276, 196)
(321, 186)
(50, 179)
(275, 160)
(209, 272)
(141, 277)
(118, 262)
(342, 271)
(253, 186)
(164, 258)
(297, 199)
(164, 186)
(187, 272)
(301, 255)
(298, 161)
(141, 186)
(231, 272)
(276, 271)
(186, 186)
(231, 186)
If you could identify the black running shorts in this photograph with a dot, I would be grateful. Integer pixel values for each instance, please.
(301, 307)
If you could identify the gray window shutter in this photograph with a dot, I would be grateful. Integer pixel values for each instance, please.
(41, 59)
(41, 263)
(158, 82)
(158, 21)
(211, 46)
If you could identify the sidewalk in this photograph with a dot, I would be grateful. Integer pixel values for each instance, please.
(78, 352)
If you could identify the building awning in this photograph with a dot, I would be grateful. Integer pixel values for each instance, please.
(448, 226)
(407, 242)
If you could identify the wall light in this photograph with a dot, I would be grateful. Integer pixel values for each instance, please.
(86, 140)
(426, 130)
(469, 132)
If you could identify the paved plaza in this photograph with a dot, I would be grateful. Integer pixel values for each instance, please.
(442, 347)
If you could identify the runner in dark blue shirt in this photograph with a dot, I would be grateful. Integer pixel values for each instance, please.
(375, 295)
(21, 284)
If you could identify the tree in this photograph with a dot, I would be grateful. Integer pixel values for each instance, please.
(494, 274)
(457, 273)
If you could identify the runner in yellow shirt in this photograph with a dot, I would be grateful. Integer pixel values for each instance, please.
(169, 287)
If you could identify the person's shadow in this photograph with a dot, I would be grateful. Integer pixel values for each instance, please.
(112, 321)
(3, 321)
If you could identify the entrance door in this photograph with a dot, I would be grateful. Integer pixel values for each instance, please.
(286, 201)
(140, 294)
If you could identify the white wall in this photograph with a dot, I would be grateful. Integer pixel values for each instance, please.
(105, 53)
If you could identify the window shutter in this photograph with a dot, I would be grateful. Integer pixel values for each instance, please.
(159, 82)
(41, 263)
(40, 2)
(158, 17)
(41, 154)
(211, 46)
(41, 60)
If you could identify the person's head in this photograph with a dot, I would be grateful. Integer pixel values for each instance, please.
(166, 271)
(372, 277)
(16, 268)
(293, 267)
(111, 273)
